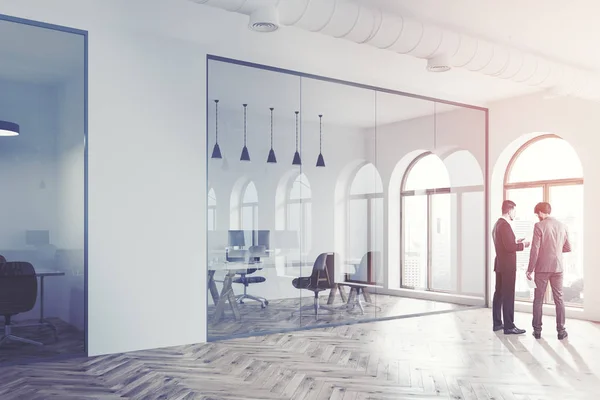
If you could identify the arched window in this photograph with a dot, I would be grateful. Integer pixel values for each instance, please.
(299, 211)
(211, 221)
(426, 226)
(548, 169)
(249, 208)
(365, 219)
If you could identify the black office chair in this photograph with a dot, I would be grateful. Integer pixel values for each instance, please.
(18, 294)
(319, 280)
(244, 279)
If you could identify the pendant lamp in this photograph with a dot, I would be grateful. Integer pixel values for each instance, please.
(272, 159)
(9, 129)
(245, 155)
(320, 159)
(216, 153)
(297, 160)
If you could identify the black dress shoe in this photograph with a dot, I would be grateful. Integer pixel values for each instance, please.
(537, 335)
(563, 335)
(498, 327)
(514, 331)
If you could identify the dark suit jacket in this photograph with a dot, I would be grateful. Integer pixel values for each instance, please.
(505, 245)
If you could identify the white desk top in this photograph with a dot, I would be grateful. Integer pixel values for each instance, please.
(48, 272)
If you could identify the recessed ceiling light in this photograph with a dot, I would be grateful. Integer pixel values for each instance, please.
(264, 19)
(438, 63)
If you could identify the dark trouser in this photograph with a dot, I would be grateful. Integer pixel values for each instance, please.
(504, 298)
(541, 283)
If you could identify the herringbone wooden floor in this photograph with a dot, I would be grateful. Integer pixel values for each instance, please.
(69, 341)
(445, 356)
(282, 314)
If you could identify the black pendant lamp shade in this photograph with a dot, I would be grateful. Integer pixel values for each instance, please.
(216, 153)
(245, 155)
(9, 128)
(297, 160)
(272, 159)
(320, 159)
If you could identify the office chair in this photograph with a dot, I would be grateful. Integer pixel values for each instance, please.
(244, 279)
(319, 280)
(369, 262)
(18, 294)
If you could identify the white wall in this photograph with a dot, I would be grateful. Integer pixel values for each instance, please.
(147, 145)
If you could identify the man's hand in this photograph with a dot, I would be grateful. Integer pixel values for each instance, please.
(526, 244)
(520, 240)
(528, 275)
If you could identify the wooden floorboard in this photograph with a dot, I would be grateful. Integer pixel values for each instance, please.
(444, 356)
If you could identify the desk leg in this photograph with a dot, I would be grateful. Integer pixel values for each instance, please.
(367, 295)
(41, 299)
(43, 321)
(342, 293)
(331, 298)
(212, 287)
(227, 295)
(336, 288)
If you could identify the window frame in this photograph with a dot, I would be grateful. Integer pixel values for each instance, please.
(211, 209)
(545, 184)
(429, 193)
(370, 199)
(304, 202)
(252, 205)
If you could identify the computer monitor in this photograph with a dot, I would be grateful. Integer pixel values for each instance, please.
(37, 238)
(236, 238)
(262, 238)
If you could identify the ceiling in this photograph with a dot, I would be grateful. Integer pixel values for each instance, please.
(38, 55)
(498, 49)
(564, 31)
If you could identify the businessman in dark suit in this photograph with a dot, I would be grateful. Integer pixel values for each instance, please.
(505, 267)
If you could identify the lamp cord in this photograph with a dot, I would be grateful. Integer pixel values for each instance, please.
(297, 130)
(271, 126)
(216, 121)
(320, 133)
(245, 105)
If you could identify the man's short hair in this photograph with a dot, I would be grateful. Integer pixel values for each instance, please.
(542, 207)
(507, 206)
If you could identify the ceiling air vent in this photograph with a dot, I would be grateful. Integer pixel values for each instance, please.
(438, 63)
(264, 19)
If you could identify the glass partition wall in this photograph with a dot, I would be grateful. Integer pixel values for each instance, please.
(42, 141)
(332, 203)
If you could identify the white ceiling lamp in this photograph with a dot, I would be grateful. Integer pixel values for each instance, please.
(439, 63)
(9, 129)
(264, 19)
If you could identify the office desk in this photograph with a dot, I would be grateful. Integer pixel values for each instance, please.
(227, 295)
